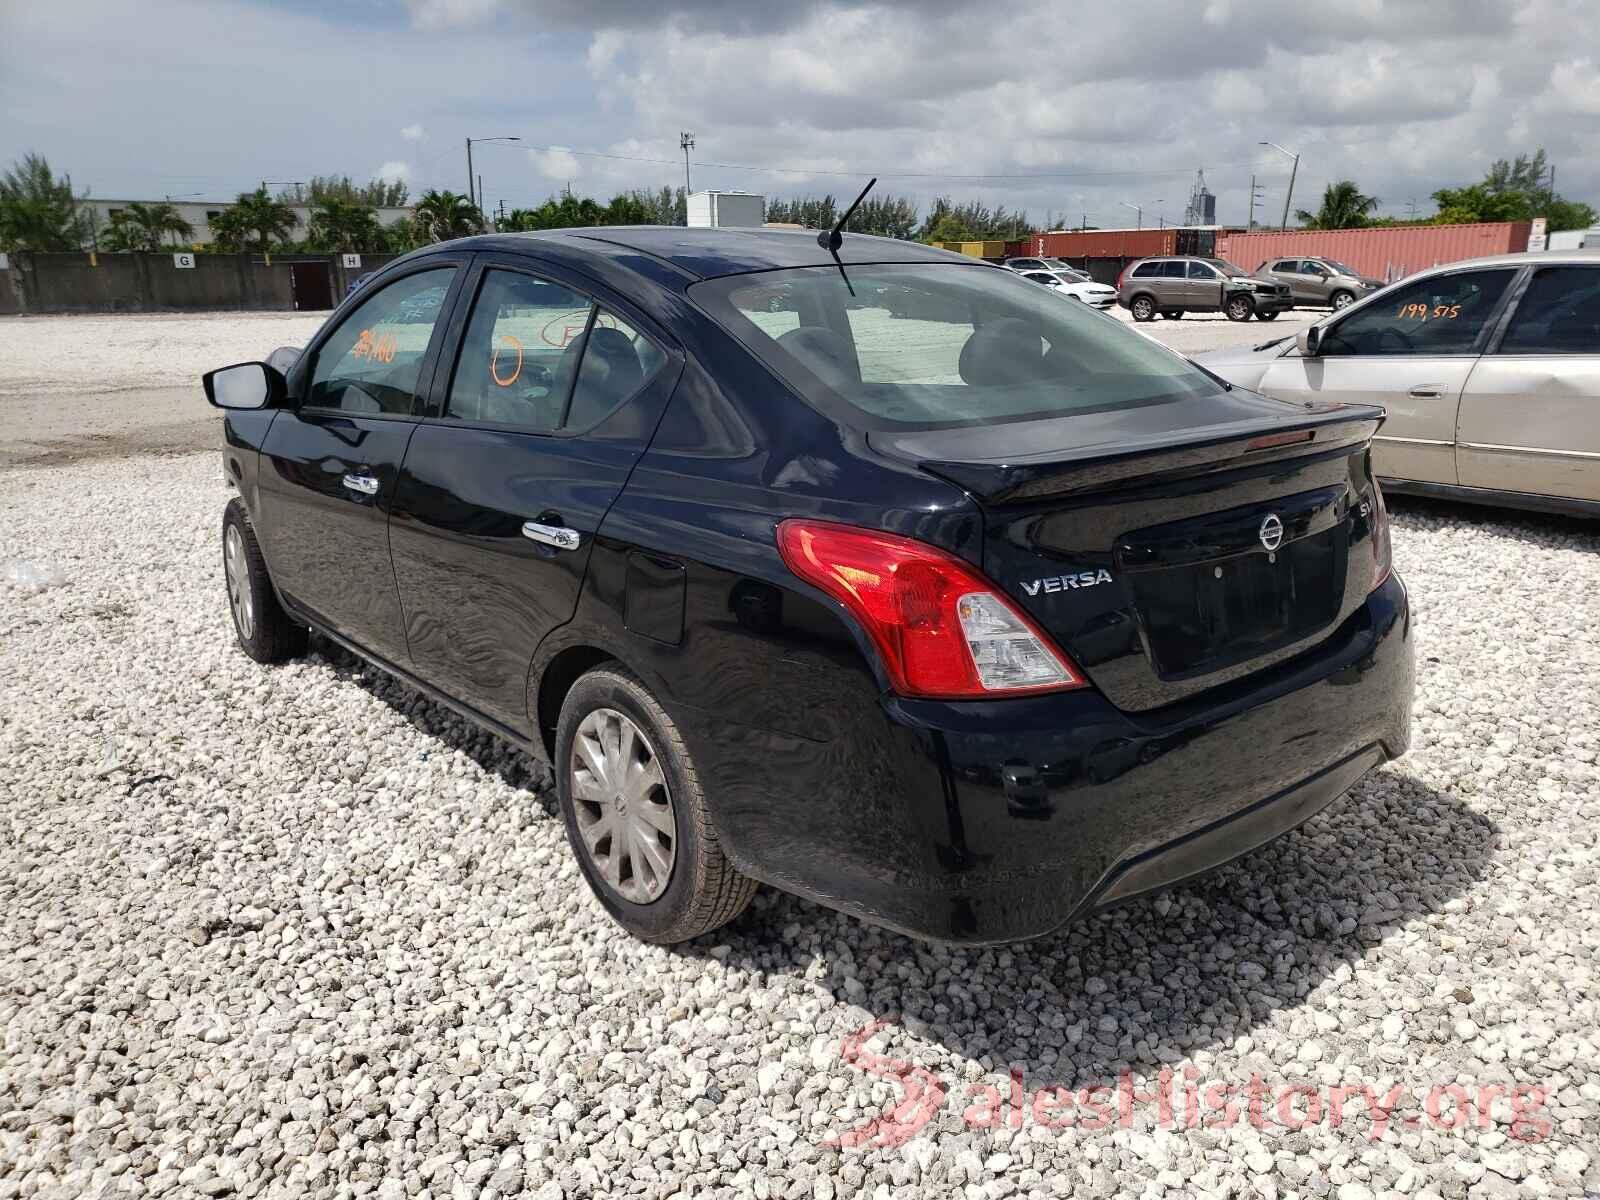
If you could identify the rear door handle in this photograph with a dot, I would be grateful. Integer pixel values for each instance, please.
(365, 484)
(558, 536)
(1427, 391)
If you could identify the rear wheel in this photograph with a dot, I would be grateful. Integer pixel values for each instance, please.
(1341, 299)
(1143, 308)
(1239, 308)
(1268, 316)
(266, 633)
(635, 814)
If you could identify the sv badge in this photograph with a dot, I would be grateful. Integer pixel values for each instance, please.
(1060, 583)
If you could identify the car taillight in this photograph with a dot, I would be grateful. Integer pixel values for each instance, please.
(1120, 274)
(1382, 552)
(942, 629)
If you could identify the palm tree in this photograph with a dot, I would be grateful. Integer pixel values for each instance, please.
(341, 224)
(441, 216)
(144, 226)
(1343, 207)
(37, 210)
(254, 214)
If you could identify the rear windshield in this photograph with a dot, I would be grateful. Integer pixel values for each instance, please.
(936, 345)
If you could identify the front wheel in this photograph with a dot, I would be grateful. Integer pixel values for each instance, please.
(1239, 308)
(635, 815)
(1268, 316)
(1342, 300)
(265, 632)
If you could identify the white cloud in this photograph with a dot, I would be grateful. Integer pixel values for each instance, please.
(414, 133)
(395, 171)
(556, 163)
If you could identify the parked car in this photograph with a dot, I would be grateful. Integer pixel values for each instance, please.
(1319, 282)
(965, 624)
(1489, 371)
(1075, 285)
(1173, 286)
(1037, 264)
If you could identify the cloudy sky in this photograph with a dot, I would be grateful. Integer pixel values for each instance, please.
(1031, 103)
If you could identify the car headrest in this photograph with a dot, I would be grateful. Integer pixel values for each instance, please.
(1001, 353)
(824, 353)
(611, 351)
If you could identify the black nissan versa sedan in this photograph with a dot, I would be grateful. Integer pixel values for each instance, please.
(920, 593)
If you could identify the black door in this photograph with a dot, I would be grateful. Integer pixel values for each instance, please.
(311, 284)
(551, 401)
(329, 465)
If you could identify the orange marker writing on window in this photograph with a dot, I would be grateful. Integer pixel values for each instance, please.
(494, 362)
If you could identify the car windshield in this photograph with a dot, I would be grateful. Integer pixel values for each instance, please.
(1226, 267)
(1333, 264)
(937, 346)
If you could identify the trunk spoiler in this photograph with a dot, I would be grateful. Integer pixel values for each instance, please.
(1012, 468)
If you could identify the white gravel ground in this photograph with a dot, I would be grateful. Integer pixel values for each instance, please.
(298, 931)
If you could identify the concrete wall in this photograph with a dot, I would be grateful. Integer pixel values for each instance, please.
(70, 283)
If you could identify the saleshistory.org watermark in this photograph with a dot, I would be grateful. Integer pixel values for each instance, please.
(1179, 1099)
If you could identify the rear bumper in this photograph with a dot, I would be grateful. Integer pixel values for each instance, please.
(1003, 820)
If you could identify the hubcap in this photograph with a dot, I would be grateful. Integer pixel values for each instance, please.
(1341, 300)
(238, 573)
(623, 806)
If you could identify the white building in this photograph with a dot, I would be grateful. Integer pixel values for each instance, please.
(199, 214)
(726, 210)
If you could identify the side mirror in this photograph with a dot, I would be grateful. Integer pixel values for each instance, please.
(1308, 340)
(245, 385)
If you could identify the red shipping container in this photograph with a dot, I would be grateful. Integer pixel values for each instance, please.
(1107, 243)
(1387, 252)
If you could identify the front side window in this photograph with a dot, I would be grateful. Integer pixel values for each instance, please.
(1442, 314)
(371, 363)
(933, 346)
(1199, 270)
(1559, 314)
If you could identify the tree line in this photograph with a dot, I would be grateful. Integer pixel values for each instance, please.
(1516, 189)
(40, 211)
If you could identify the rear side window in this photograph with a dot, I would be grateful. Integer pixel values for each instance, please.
(539, 356)
(934, 345)
(1288, 266)
(1441, 314)
(1147, 270)
(371, 362)
(1559, 314)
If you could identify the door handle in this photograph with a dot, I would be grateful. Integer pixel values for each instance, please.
(1427, 391)
(558, 536)
(365, 484)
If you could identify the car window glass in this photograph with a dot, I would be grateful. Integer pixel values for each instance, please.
(1559, 314)
(944, 345)
(519, 353)
(1312, 268)
(371, 362)
(1198, 270)
(617, 360)
(1146, 270)
(1442, 314)
(1288, 265)
(1173, 270)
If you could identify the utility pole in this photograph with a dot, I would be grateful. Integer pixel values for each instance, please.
(686, 144)
(1293, 170)
(1251, 223)
(470, 176)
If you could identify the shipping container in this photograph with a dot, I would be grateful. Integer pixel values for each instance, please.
(1108, 243)
(725, 210)
(1386, 252)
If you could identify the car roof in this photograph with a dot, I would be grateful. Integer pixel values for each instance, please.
(1589, 256)
(707, 253)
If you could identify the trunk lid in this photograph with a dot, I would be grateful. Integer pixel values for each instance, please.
(1173, 547)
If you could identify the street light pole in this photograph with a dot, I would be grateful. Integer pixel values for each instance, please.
(686, 144)
(1138, 212)
(1293, 170)
(473, 188)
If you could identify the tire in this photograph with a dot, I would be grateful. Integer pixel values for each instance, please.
(1173, 314)
(265, 631)
(1239, 308)
(699, 890)
(1143, 308)
(1268, 316)
(1341, 299)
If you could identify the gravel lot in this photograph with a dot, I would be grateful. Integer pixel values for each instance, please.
(299, 931)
